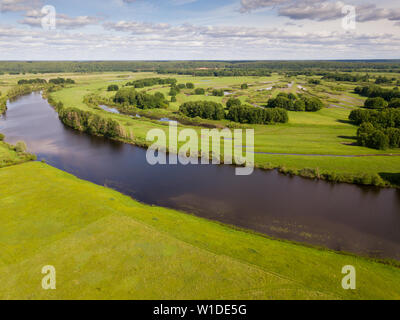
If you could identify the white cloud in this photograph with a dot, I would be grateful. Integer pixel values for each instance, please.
(321, 10)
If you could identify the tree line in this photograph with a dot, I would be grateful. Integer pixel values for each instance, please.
(149, 82)
(379, 129)
(346, 77)
(43, 81)
(291, 102)
(201, 68)
(89, 122)
(374, 91)
(236, 112)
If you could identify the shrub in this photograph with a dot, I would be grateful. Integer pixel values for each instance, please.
(394, 103)
(375, 103)
(312, 104)
(300, 105)
(394, 137)
(218, 93)
(20, 146)
(190, 85)
(2, 137)
(112, 87)
(233, 102)
(199, 91)
(378, 140)
(281, 101)
(244, 86)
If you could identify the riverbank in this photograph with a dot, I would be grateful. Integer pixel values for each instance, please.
(107, 245)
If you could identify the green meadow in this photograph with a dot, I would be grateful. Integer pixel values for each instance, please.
(109, 246)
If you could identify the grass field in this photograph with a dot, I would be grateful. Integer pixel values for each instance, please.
(106, 245)
(299, 143)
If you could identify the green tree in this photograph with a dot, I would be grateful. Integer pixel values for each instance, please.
(375, 103)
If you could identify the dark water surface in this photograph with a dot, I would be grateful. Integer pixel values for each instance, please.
(338, 216)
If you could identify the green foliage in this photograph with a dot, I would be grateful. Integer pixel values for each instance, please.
(375, 103)
(131, 97)
(314, 81)
(345, 77)
(233, 102)
(89, 122)
(382, 79)
(203, 109)
(244, 86)
(378, 130)
(174, 90)
(374, 91)
(32, 81)
(394, 103)
(387, 118)
(190, 85)
(20, 146)
(252, 115)
(61, 81)
(173, 99)
(2, 137)
(149, 82)
(199, 91)
(291, 103)
(218, 92)
(112, 87)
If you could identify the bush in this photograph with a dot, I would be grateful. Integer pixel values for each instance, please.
(233, 102)
(173, 99)
(394, 137)
(375, 103)
(312, 104)
(190, 85)
(244, 86)
(112, 87)
(20, 146)
(199, 91)
(378, 140)
(394, 103)
(370, 137)
(300, 105)
(2, 137)
(281, 102)
(218, 93)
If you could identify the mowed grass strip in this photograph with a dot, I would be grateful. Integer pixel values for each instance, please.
(105, 245)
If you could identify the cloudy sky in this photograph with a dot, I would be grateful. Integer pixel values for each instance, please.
(198, 29)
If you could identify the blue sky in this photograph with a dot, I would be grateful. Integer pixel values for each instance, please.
(198, 29)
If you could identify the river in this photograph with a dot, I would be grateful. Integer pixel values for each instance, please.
(362, 220)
